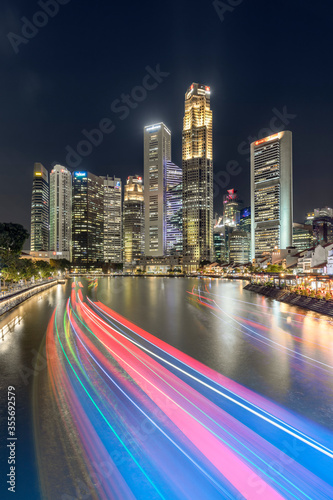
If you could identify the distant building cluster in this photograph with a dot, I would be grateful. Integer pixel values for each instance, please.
(166, 219)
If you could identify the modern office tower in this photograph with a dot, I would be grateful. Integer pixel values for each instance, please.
(113, 224)
(157, 154)
(133, 221)
(174, 212)
(60, 212)
(271, 194)
(231, 208)
(87, 220)
(239, 247)
(302, 236)
(323, 225)
(40, 209)
(245, 219)
(309, 218)
(197, 152)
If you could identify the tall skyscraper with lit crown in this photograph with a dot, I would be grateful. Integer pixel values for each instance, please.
(197, 153)
(133, 221)
(40, 228)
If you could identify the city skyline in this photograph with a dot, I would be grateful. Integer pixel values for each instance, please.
(54, 103)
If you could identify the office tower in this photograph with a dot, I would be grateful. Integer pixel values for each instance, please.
(173, 211)
(271, 194)
(113, 225)
(197, 152)
(40, 209)
(133, 221)
(61, 212)
(87, 220)
(245, 219)
(302, 236)
(231, 208)
(157, 154)
(323, 225)
(239, 247)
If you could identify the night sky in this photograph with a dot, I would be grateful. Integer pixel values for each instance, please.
(258, 56)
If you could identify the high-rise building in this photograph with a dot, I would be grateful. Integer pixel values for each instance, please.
(302, 236)
(239, 247)
(133, 221)
(173, 209)
(271, 194)
(197, 153)
(87, 220)
(113, 225)
(60, 212)
(40, 209)
(231, 208)
(245, 219)
(157, 154)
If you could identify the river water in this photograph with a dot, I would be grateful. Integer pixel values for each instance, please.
(80, 392)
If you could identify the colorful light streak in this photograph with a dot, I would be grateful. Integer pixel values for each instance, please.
(179, 429)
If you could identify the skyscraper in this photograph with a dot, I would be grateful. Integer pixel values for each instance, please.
(271, 194)
(113, 224)
(231, 208)
(157, 152)
(40, 209)
(173, 209)
(197, 152)
(61, 212)
(133, 221)
(239, 247)
(87, 219)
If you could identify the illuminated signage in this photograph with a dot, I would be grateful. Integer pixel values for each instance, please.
(117, 185)
(207, 89)
(38, 174)
(153, 127)
(267, 139)
(80, 174)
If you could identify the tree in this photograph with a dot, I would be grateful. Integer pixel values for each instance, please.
(60, 264)
(12, 238)
(274, 268)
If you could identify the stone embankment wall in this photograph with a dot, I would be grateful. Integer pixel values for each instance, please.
(8, 303)
(318, 305)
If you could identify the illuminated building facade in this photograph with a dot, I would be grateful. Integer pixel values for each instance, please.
(197, 154)
(239, 247)
(271, 194)
(323, 225)
(87, 220)
(157, 154)
(245, 219)
(60, 212)
(133, 221)
(231, 208)
(302, 236)
(174, 203)
(113, 226)
(40, 209)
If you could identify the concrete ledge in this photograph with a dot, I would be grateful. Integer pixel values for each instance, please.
(318, 305)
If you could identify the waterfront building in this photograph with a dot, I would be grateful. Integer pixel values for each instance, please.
(157, 154)
(174, 213)
(245, 219)
(113, 225)
(60, 212)
(133, 221)
(271, 194)
(302, 236)
(323, 225)
(197, 155)
(87, 220)
(40, 209)
(239, 247)
(231, 208)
